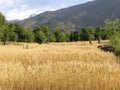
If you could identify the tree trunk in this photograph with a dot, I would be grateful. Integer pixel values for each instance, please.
(99, 41)
(90, 41)
(4, 42)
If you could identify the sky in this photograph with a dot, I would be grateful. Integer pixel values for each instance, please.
(22, 9)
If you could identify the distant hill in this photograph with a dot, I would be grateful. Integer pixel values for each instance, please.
(92, 13)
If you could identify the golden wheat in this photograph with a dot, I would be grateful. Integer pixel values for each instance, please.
(58, 66)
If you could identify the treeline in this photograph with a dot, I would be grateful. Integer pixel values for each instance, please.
(13, 32)
(42, 34)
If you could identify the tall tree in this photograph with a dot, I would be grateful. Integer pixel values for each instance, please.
(20, 32)
(75, 36)
(29, 35)
(88, 33)
(40, 37)
(112, 27)
(11, 32)
(98, 34)
(2, 25)
(114, 36)
(60, 36)
(50, 37)
(5, 37)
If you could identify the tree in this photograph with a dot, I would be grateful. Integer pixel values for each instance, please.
(71, 36)
(104, 34)
(13, 37)
(20, 31)
(60, 36)
(112, 27)
(11, 32)
(115, 42)
(68, 35)
(40, 37)
(114, 36)
(5, 37)
(2, 25)
(29, 35)
(88, 33)
(50, 37)
(75, 36)
(84, 35)
(2, 21)
(98, 34)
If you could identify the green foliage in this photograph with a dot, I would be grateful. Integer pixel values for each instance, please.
(13, 37)
(5, 37)
(75, 36)
(2, 25)
(115, 42)
(84, 36)
(28, 35)
(98, 34)
(112, 27)
(40, 37)
(20, 32)
(11, 32)
(2, 22)
(114, 36)
(88, 33)
(68, 35)
(60, 36)
(50, 37)
(23, 34)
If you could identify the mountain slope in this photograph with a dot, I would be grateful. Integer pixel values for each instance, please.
(91, 13)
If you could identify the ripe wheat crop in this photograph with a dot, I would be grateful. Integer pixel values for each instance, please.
(58, 66)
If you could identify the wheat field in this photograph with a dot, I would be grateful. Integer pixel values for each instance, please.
(58, 66)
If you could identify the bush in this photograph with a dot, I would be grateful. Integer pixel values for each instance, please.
(115, 42)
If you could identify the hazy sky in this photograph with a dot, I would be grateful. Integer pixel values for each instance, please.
(21, 9)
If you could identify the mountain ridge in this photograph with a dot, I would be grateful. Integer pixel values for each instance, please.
(92, 13)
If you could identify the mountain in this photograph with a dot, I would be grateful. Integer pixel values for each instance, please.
(14, 21)
(32, 15)
(92, 13)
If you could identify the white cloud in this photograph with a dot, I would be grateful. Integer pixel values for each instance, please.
(20, 14)
(21, 9)
(7, 3)
(24, 12)
(24, 6)
(47, 8)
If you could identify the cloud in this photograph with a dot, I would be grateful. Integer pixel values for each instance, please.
(21, 9)
(24, 6)
(5, 4)
(20, 13)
